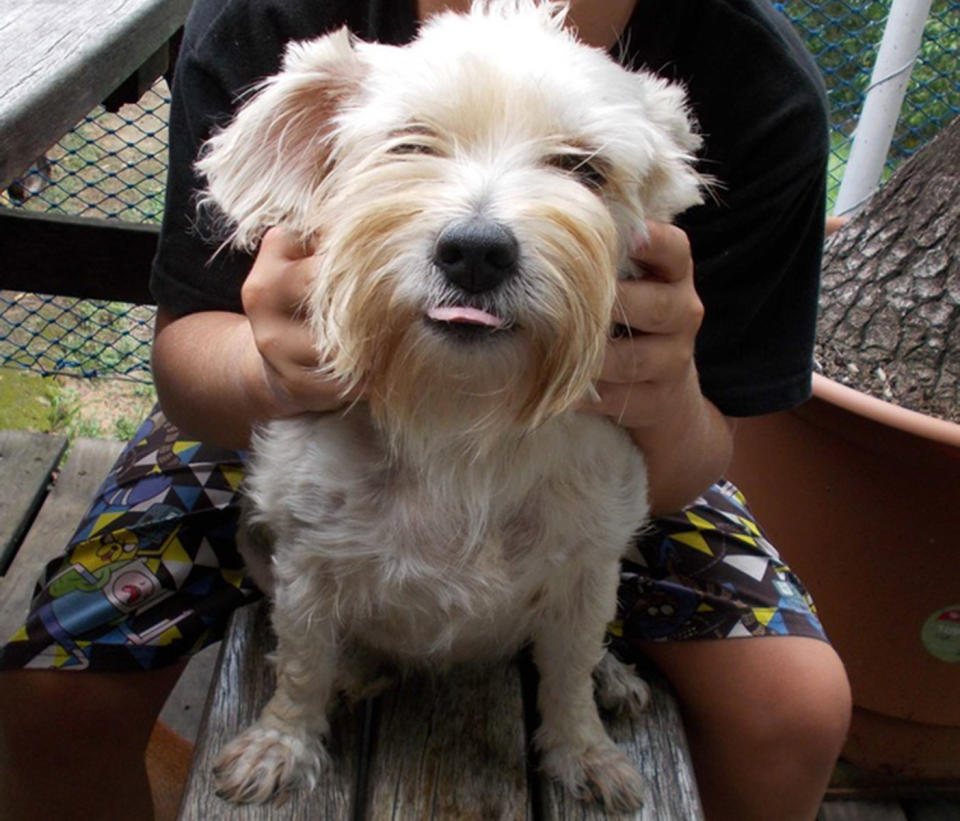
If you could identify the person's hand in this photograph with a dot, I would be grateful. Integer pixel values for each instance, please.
(273, 298)
(649, 369)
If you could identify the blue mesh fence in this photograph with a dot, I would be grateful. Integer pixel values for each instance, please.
(113, 165)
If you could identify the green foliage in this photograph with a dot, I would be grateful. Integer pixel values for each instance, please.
(842, 35)
(933, 98)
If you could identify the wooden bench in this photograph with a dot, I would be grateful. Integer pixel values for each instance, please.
(454, 747)
(59, 60)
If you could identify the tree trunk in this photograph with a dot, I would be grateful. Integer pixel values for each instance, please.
(890, 302)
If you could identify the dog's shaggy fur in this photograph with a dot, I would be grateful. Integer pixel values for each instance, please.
(472, 196)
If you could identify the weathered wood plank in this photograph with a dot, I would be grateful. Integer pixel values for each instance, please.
(933, 810)
(451, 747)
(58, 60)
(851, 783)
(81, 475)
(71, 256)
(242, 684)
(861, 811)
(27, 461)
(656, 743)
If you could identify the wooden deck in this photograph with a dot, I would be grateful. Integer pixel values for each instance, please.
(425, 749)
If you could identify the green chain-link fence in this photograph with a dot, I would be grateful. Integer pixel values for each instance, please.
(843, 36)
(113, 165)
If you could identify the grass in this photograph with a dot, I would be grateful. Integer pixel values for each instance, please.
(26, 400)
(52, 334)
(96, 408)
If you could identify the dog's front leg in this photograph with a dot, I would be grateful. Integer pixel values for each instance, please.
(284, 750)
(575, 748)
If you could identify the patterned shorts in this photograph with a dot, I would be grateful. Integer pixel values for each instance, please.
(152, 573)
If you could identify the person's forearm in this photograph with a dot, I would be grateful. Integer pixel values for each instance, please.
(205, 369)
(686, 452)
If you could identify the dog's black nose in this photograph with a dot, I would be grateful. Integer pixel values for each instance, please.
(476, 254)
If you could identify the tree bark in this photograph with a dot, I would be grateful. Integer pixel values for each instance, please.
(890, 301)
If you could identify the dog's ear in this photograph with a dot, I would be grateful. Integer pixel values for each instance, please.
(263, 169)
(672, 183)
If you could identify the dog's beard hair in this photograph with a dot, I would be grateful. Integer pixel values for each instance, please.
(431, 394)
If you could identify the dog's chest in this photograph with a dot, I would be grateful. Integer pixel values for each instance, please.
(448, 595)
(447, 569)
(451, 561)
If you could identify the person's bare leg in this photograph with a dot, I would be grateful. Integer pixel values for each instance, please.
(72, 744)
(766, 719)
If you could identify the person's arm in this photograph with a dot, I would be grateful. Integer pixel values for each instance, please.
(649, 382)
(686, 452)
(230, 351)
(220, 373)
(686, 440)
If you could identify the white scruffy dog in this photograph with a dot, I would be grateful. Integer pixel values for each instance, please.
(472, 196)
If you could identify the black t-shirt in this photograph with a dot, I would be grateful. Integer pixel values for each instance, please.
(761, 108)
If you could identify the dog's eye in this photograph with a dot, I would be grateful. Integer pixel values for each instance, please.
(413, 148)
(589, 171)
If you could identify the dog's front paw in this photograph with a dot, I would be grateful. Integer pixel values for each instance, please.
(599, 773)
(619, 688)
(263, 762)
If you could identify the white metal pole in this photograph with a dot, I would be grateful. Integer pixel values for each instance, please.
(884, 98)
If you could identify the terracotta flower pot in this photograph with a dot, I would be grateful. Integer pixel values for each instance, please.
(863, 500)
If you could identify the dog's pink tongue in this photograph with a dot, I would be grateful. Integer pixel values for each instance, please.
(465, 315)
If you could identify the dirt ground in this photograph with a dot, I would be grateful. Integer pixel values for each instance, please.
(107, 408)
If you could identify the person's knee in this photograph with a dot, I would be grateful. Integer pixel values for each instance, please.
(825, 709)
(806, 722)
(72, 744)
(765, 718)
(36, 706)
(783, 700)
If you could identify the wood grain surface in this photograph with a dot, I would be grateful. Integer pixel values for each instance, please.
(27, 461)
(451, 746)
(60, 58)
(656, 744)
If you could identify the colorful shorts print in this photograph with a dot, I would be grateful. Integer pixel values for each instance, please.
(708, 572)
(152, 573)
